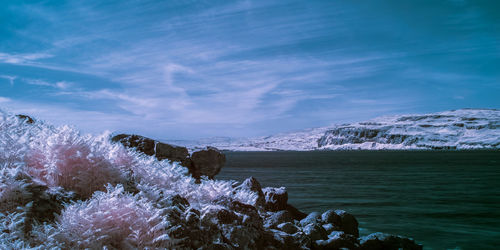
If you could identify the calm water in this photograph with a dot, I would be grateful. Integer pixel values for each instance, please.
(443, 199)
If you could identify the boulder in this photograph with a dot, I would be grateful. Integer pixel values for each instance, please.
(288, 228)
(276, 198)
(331, 217)
(171, 152)
(381, 241)
(337, 240)
(348, 222)
(295, 213)
(315, 232)
(140, 143)
(312, 218)
(251, 184)
(207, 162)
(277, 218)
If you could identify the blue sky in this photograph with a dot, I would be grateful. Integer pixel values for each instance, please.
(191, 69)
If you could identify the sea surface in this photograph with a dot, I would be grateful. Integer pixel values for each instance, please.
(442, 199)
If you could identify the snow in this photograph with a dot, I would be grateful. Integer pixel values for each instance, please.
(455, 129)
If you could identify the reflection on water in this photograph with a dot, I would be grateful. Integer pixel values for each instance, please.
(443, 199)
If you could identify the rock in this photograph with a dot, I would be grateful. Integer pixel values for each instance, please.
(295, 213)
(288, 228)
(381, 241)
(207, 162)
(337, 240)
(171, 152)
(276, 198)
(226, 217)
(314, 218)
(26, 118)
(332, 217)
(274, 219)
(349, 224)
(251, 184)
(141, 143)
(329, 227)
(315, 232)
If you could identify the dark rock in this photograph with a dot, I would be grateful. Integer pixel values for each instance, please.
(251, 184)
(141, 143)
(274, 219)
(381, 241)
(337, 240)
(330, 227)
(171, 152)
(226, 217)
(349, 224)
(276, 198)
(332, 217)
(217, 246)
(207, 162)
(26, 118)
(282, 240)
(312, 218)
(288, 228)
(295, 213)
(315, 232)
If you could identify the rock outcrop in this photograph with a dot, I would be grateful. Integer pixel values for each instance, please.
(206, 162)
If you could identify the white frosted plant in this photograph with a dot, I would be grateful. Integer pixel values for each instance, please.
(174, 178)
(113, 219)
(77, 163)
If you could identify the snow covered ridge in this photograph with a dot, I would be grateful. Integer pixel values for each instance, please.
(63, 190)
(456, 129)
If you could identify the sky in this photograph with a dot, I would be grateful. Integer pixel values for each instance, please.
(195, 69)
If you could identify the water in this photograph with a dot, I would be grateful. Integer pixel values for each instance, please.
(442, 199)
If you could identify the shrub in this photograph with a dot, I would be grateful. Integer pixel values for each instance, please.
(76, 163)
(112, 219)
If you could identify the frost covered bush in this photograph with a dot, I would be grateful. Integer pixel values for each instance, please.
(13, 191)
(113, 219)
(76, 163)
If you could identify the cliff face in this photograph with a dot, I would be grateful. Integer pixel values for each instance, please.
(457, 129)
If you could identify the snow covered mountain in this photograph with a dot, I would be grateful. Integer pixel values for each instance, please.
(456, 129)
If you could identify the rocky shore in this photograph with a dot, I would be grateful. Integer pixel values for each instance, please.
(271, 224)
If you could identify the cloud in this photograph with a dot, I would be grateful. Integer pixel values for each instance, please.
(4, 99)
(22, 59)
(9, 78)
(58, 85)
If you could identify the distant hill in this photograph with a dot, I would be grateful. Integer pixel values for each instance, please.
(455, 129)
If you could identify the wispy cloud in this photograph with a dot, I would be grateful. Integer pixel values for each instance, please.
(58, 85)
(22, 58)
(4, 99)
(9, 78)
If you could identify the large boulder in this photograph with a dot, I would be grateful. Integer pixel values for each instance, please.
(171, 152)
(207, 162)
(140, 143)
(349, 224)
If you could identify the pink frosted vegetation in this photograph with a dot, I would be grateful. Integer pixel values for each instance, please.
(75, 164)
(114, 219)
